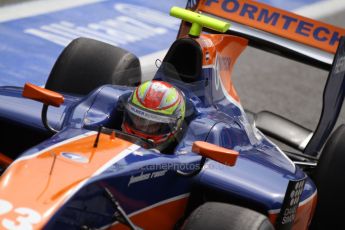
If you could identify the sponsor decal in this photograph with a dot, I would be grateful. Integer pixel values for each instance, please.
(149, 115)
(146, 176)
(141, 23)
(276, 21)
(290, 205)
(340, 66)
(141, 27)
(75, 157)
(223, 63)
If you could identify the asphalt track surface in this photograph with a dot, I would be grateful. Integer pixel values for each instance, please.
(268, 82)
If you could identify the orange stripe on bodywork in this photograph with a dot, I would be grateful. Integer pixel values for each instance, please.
(276, 21)
(304, 214)
(44, 182)
(163, 216)
(5, 160)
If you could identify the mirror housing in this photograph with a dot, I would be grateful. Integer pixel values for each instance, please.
(215, 152)
(43, 95)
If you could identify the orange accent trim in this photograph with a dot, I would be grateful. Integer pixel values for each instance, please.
(163, 216)
(273, 217)
(44, 182)
(208, 48)
(276, 21)
(303, 217)
(112, 135)
(5, 160)
(313, 209)
(46, 96)
(215, 152)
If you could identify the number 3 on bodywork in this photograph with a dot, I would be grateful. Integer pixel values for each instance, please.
(17, 218)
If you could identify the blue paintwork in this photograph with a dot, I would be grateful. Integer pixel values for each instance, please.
(260, 175)
(15, 108)
(133, 197)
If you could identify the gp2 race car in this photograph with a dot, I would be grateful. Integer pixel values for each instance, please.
(68, 165)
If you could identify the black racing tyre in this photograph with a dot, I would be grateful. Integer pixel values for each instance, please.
(330, 184)
(86, 64)
(221, 216)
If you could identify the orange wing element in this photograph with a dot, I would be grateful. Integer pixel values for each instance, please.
(43, 182)
(46, 96)
(276, 21)
(223, 51)
(215, 152)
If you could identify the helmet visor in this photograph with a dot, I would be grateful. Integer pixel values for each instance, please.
(148, 122)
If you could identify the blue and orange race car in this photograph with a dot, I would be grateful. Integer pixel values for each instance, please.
(68, 165)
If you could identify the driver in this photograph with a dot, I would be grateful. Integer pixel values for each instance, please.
(155, 111)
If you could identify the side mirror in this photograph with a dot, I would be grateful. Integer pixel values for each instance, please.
(43, 95)
(215, 152)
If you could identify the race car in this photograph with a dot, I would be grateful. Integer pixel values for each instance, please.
(67, 164)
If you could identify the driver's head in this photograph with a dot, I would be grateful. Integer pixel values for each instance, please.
(155, 111)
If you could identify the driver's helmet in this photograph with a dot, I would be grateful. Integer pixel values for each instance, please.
(154, 111)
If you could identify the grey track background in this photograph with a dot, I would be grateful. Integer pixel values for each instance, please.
(8, 2)
(268, 82)
(293, 90)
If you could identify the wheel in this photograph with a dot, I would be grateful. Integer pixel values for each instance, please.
(221, 216)
(330, 184)
(86, 64)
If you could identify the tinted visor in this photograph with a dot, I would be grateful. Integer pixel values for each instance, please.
(148, 126)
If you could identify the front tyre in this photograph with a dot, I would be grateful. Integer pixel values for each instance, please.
(86, 64)
(222, 216)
